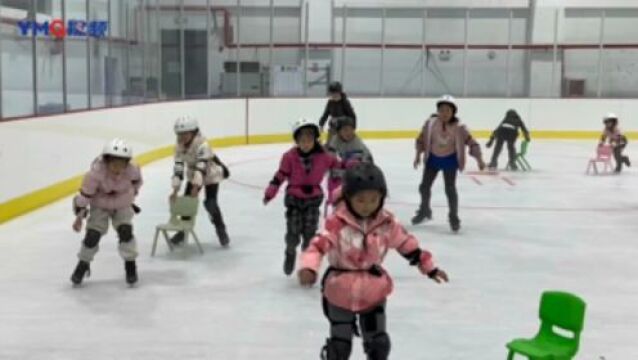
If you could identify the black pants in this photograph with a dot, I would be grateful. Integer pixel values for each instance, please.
(449, 176)
(619, 157)
(212, 206)
(509, 136)
(302, 220)
(370, 324)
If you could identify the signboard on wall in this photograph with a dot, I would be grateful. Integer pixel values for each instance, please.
(56, 28)
(287, 80)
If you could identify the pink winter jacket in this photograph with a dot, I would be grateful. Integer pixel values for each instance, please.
(352, 284)
(303, 183)
(102, 190)
(463, 139)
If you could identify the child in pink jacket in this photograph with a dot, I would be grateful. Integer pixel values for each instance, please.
(107, 193)
(356, 239)
(304, 167)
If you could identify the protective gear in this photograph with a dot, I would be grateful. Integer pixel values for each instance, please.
(449, 100)
(185, 124)
(204, 152)
(304, 123)
(131, 272)
(80, 271)
(610, 118)
(92, 238)
(343, 121)
(178, 170)
(378, 348)
(118, 148)
(336, 349)
(335, 87)
(363, 176)
(125, 232)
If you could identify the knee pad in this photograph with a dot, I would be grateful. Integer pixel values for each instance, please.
(336, 349)
(370, 321)
(92, 238)
(378, 348)
(125, 232)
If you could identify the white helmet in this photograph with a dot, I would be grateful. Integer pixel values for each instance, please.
(449, 100)
(304, 123)
(185, 124)
(610, 116)
(204, 152)
(118, 148)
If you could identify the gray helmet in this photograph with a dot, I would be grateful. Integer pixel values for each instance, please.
(342, 121)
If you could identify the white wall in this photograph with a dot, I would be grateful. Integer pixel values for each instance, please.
(41, 151)
(35, 153)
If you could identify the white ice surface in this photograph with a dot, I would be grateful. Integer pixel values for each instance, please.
(554, 228)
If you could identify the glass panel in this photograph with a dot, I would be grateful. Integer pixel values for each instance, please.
(76, 66)
(403, 63)
(49, 61)
(619, 73)
(580, 73)
(17, 69)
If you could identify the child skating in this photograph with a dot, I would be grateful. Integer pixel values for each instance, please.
(350, 149)
(507, 132)
(303, 166)
(616, 139)
(355, 287)
(187, 164)
(442, 142)
(338, 105)
(107, 194)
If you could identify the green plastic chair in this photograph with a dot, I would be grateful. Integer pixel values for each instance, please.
(557, 310)
(183, 215)
(520, 159)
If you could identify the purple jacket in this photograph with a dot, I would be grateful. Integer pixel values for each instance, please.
(304, 173)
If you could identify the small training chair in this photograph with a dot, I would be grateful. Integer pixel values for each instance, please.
(557, 310)
(183, 214)
(603, 155)
(520, 159)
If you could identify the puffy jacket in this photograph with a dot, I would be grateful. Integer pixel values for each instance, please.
(355, 279)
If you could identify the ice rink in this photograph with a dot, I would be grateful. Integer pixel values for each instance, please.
(552, 228)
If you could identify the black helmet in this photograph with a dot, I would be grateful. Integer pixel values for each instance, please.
(335, 87)
(363, 176)
(342, 121)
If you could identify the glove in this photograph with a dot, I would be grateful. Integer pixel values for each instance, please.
(307, 277)
(225, 172)
(271, 192)
(489, 143)
(136, 209)
(80, 211)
